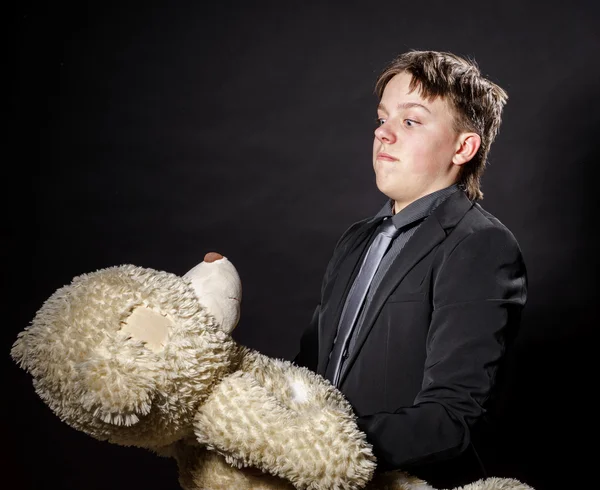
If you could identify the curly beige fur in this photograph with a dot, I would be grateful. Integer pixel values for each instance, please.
(314, 445)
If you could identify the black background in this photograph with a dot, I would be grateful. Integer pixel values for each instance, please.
(152, 133)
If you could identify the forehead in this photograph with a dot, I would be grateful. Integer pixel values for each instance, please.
(398, 94)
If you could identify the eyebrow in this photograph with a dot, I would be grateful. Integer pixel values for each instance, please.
(406, 105)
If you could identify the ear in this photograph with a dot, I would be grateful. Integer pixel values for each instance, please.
(467, 146)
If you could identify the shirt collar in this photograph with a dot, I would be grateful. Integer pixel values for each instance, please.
(419, 209)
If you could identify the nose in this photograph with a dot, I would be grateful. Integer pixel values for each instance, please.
(212, 257)
(384, 133)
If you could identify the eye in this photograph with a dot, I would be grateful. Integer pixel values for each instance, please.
(379, 121)
(410, 122)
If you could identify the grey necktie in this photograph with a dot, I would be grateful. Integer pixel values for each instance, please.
(386, 233)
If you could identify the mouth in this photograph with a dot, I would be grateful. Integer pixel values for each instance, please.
(386, 157)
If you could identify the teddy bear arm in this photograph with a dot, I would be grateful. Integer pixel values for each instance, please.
(296, 387)
(243, 421)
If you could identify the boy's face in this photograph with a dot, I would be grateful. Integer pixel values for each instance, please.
(415, 144)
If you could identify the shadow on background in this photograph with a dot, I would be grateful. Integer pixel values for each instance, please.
(545, 412)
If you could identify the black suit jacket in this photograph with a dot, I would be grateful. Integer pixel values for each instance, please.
(433, 338)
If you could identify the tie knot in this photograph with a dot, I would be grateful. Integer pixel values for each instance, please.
(388, 228)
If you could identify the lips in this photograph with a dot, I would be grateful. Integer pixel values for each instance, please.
(386, 156)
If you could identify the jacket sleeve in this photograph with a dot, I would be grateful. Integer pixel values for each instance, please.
(478, 293)
(307, 356)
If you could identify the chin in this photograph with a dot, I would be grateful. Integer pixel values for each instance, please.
(387, 193)
(381, 188)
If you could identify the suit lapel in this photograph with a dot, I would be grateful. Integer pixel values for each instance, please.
(331, 308)
(433, 231)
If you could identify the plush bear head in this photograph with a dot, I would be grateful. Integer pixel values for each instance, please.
(127, 354)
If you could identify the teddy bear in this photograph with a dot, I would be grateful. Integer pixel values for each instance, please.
(140, 357)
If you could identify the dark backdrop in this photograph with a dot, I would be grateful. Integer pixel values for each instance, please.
(153, 133)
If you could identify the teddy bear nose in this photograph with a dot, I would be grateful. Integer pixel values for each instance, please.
(212, 257)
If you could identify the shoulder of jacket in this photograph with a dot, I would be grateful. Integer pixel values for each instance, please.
(348, 234)
(479, 225)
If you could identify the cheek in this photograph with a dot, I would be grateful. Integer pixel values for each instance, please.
(425, 156)
(422, 161)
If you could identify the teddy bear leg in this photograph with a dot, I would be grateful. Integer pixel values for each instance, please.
(495, 483)
(200, 469)
(396, 480)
